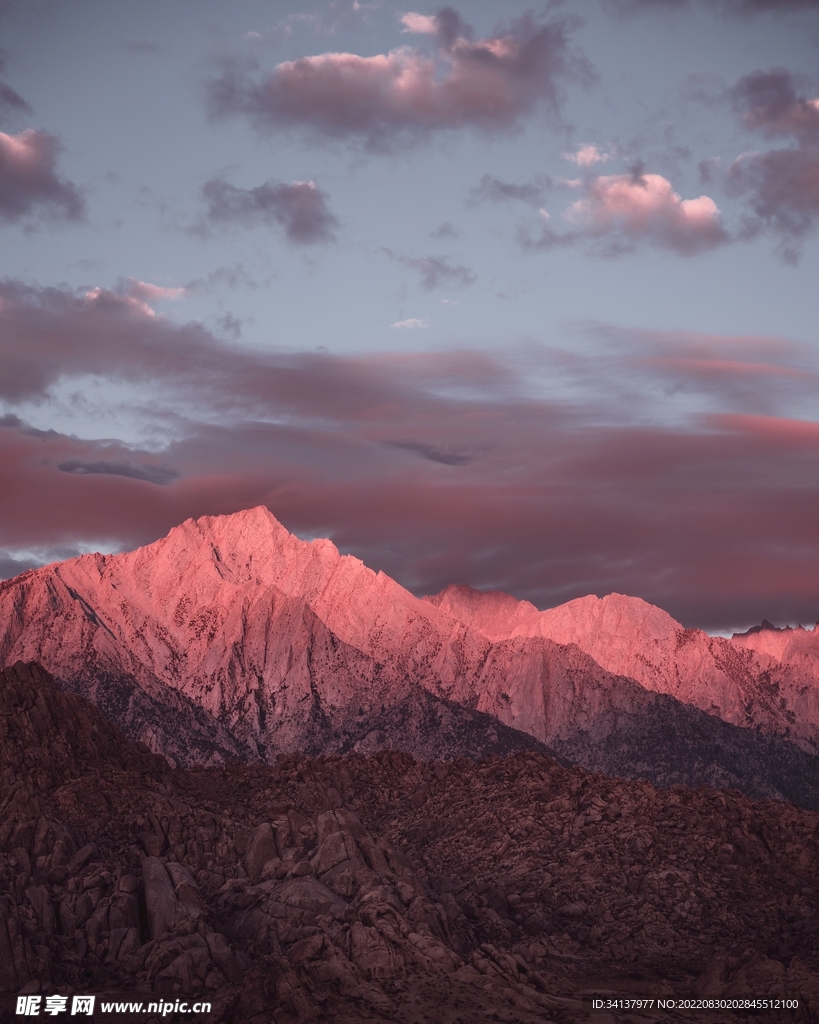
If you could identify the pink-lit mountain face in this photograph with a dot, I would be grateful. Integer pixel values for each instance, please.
(766, 679)
(231, 638)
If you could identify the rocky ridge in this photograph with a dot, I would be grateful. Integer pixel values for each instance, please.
(381, 889)
(233, 639)
(768, 680)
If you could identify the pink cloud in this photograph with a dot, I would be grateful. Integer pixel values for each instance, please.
(621, 210)
(646, 206)
(29, 182)
(487, 84)
(413, 324)
(727, 367)
(774, 429)
(424, 24)
(711, 373)
(153, 292)
(587, 156)
(446, 25)
(138, 296)
(47, 334)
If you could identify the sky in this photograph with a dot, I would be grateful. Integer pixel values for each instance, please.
(518, 297)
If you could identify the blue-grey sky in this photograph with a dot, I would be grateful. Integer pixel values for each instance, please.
(518, 297)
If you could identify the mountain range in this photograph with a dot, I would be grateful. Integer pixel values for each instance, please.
(232, 639)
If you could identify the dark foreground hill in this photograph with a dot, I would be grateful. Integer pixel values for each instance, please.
(375, 888)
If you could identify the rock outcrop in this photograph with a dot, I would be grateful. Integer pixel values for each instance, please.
(377, 888)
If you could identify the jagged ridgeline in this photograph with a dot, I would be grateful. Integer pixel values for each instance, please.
(231, 639)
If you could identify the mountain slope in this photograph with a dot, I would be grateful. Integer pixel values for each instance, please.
(231, 643)
(750, 682)
(232, 639)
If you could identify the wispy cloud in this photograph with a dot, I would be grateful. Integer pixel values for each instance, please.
(12, 102)
(437, 271)
(412, 324)
(494, 190)
(587, 156)
(300, 207)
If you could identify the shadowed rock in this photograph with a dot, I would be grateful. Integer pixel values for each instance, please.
(354, 887)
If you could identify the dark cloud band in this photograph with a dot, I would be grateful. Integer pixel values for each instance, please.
(134, 471)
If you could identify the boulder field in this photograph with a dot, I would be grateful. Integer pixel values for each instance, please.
(380, 888)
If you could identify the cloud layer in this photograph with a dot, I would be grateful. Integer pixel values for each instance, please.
(739, 7)
(488, 84)
(683, 468)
